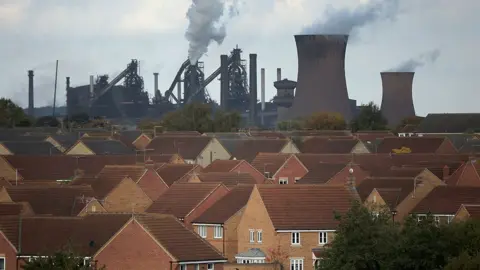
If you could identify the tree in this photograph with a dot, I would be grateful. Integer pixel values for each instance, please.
(61, 260)
(226, 121)
(47, 121)
(290, 125)
(11, 114)
(464, 262)
(277, 256)
(369, 118)
(325, 121)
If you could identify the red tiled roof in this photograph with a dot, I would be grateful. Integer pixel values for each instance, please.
(473, 210)
(416, 144)
(409, 172)
(461, 177)
(229, 179)
(316, 145)
(396, 189)
(248, 149)
(219, 165)
(447, 200)
(10, 209)
(181, 198)
(270, 162)
(188, 147)
(171, 173)
(322, 173)
(226, 207)
(305, 207)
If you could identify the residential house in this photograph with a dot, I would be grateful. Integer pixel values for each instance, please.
(15, 209)
(248, 149)
(158, 241)
(53, 200)
(229, 179)
(293, 219)
(166, 158)
(449, 123)
(280, 168)
(135, 139)
(234, 165)
(187, 201)
(63, 142)
(218, 224)
(322, 145)
(417, 145)
(177, 173)
(467, 175)
(334, 174)
(28, 148)
(199, 150)
(467, 211)
(99, 147)
(118, 188)
(443, 202)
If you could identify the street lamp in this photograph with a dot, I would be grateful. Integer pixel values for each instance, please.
(394, 213)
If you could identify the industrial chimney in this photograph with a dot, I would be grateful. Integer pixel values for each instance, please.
(155, 86)
(92, 87)
(224, 81)
(279, 74)
(31, 105)
(321, 84)
(397, 99)
(253, 88)
(262, 85)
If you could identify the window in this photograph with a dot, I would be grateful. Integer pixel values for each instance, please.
(2, 263)
(183, 267)
(437, 220)
(252, 236)
(375, 198)
(322, 238)
(259, 236)
(421, 217)
(295, 238)
(217, 232)
(197, 267)
(202, 231)
(296, 264)
(94, 208)
(210, 266)
(283, 181)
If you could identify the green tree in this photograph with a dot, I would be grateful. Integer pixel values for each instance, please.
(325, 121)
(47, 121)
(464, 262)
(11, 114)
(226, 121)
(369, 118)
(412, 120)
(61, 260)
(290, 125)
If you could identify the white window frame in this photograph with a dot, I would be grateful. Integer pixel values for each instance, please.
(210, 266)
(296, 264)
(252, 236)
(283, 181)
(295, 238)
(197, 267)
(183, 267)
(217, 232)
(322, 236)
(202, 231)
(259, 236)
(4, 262)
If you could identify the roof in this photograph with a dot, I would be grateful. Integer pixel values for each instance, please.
(32, 148)
(220, 165)
(471, 146)
(165, 158)
(11, 209)
(108, 147)
(65, 140)
(321, 173)
(397, 172)
(396, 189)
(129, 136)
(461, 177)
(248, 149)
(52, 200)
(6, 136)
(416, 144)
(291, 207)
(227, 206)
(447, 200)
(229, 179)
(53, 168)
(449, 123)
(181, 198)
(473, 210)
(171, 173)
(270, 162)
(179, 133)
(328, 146)
(251, 253)
(189, 147)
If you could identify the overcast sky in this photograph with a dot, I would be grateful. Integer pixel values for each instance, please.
(91, 37)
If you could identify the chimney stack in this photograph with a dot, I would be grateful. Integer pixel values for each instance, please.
(67, 83)
(224, 81)
(155, 85)
(279, 74)
(91, 86)
(253, 88)
(262, 85)
(31, 105)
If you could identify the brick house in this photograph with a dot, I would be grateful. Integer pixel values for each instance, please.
(28, 148)
(417, 145)
(134, 138)
(118, 241)
(280, 168)
(467, 211)
(233, 165)
(467, 175)
(322, 145)
(177, 173)
(333, 174)
(218, 224)
(264, 223)
(99, 147)
(187, 201)
(248, 149)
(443, 202)
(201, 150)
(229, 179)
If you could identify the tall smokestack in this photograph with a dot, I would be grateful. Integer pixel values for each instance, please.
(253, 88)
(397, 99)
(179, 92)
(31, 104)
(155, 86)
(67, 83)
(321, 84)
(262, 85)
(224, 81)
(279, 74)
(91, 86)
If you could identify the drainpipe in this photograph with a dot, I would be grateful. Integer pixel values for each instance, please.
(223, 240)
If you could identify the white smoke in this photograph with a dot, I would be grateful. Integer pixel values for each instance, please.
(207, 24)
(344, 21)
(419, 61)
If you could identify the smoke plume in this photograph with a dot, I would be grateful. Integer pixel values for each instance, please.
(345, 21)
(419, 61)
(206, 24)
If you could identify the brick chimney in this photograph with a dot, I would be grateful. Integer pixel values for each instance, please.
(446, 172)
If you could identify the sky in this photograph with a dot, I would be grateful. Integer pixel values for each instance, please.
(94, 37)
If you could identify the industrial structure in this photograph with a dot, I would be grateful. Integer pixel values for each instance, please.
(321, 84)
(397, 99)
(31, 105)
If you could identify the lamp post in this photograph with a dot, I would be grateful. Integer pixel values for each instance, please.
(394, 213)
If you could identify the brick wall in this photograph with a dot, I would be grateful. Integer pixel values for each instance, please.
(7, 252)
(127, 196)
(152, 184)
(291, 170)
(245, 167)
(216, 195)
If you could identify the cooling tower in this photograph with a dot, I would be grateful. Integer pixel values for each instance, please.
(397, 99)
(321, 84)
